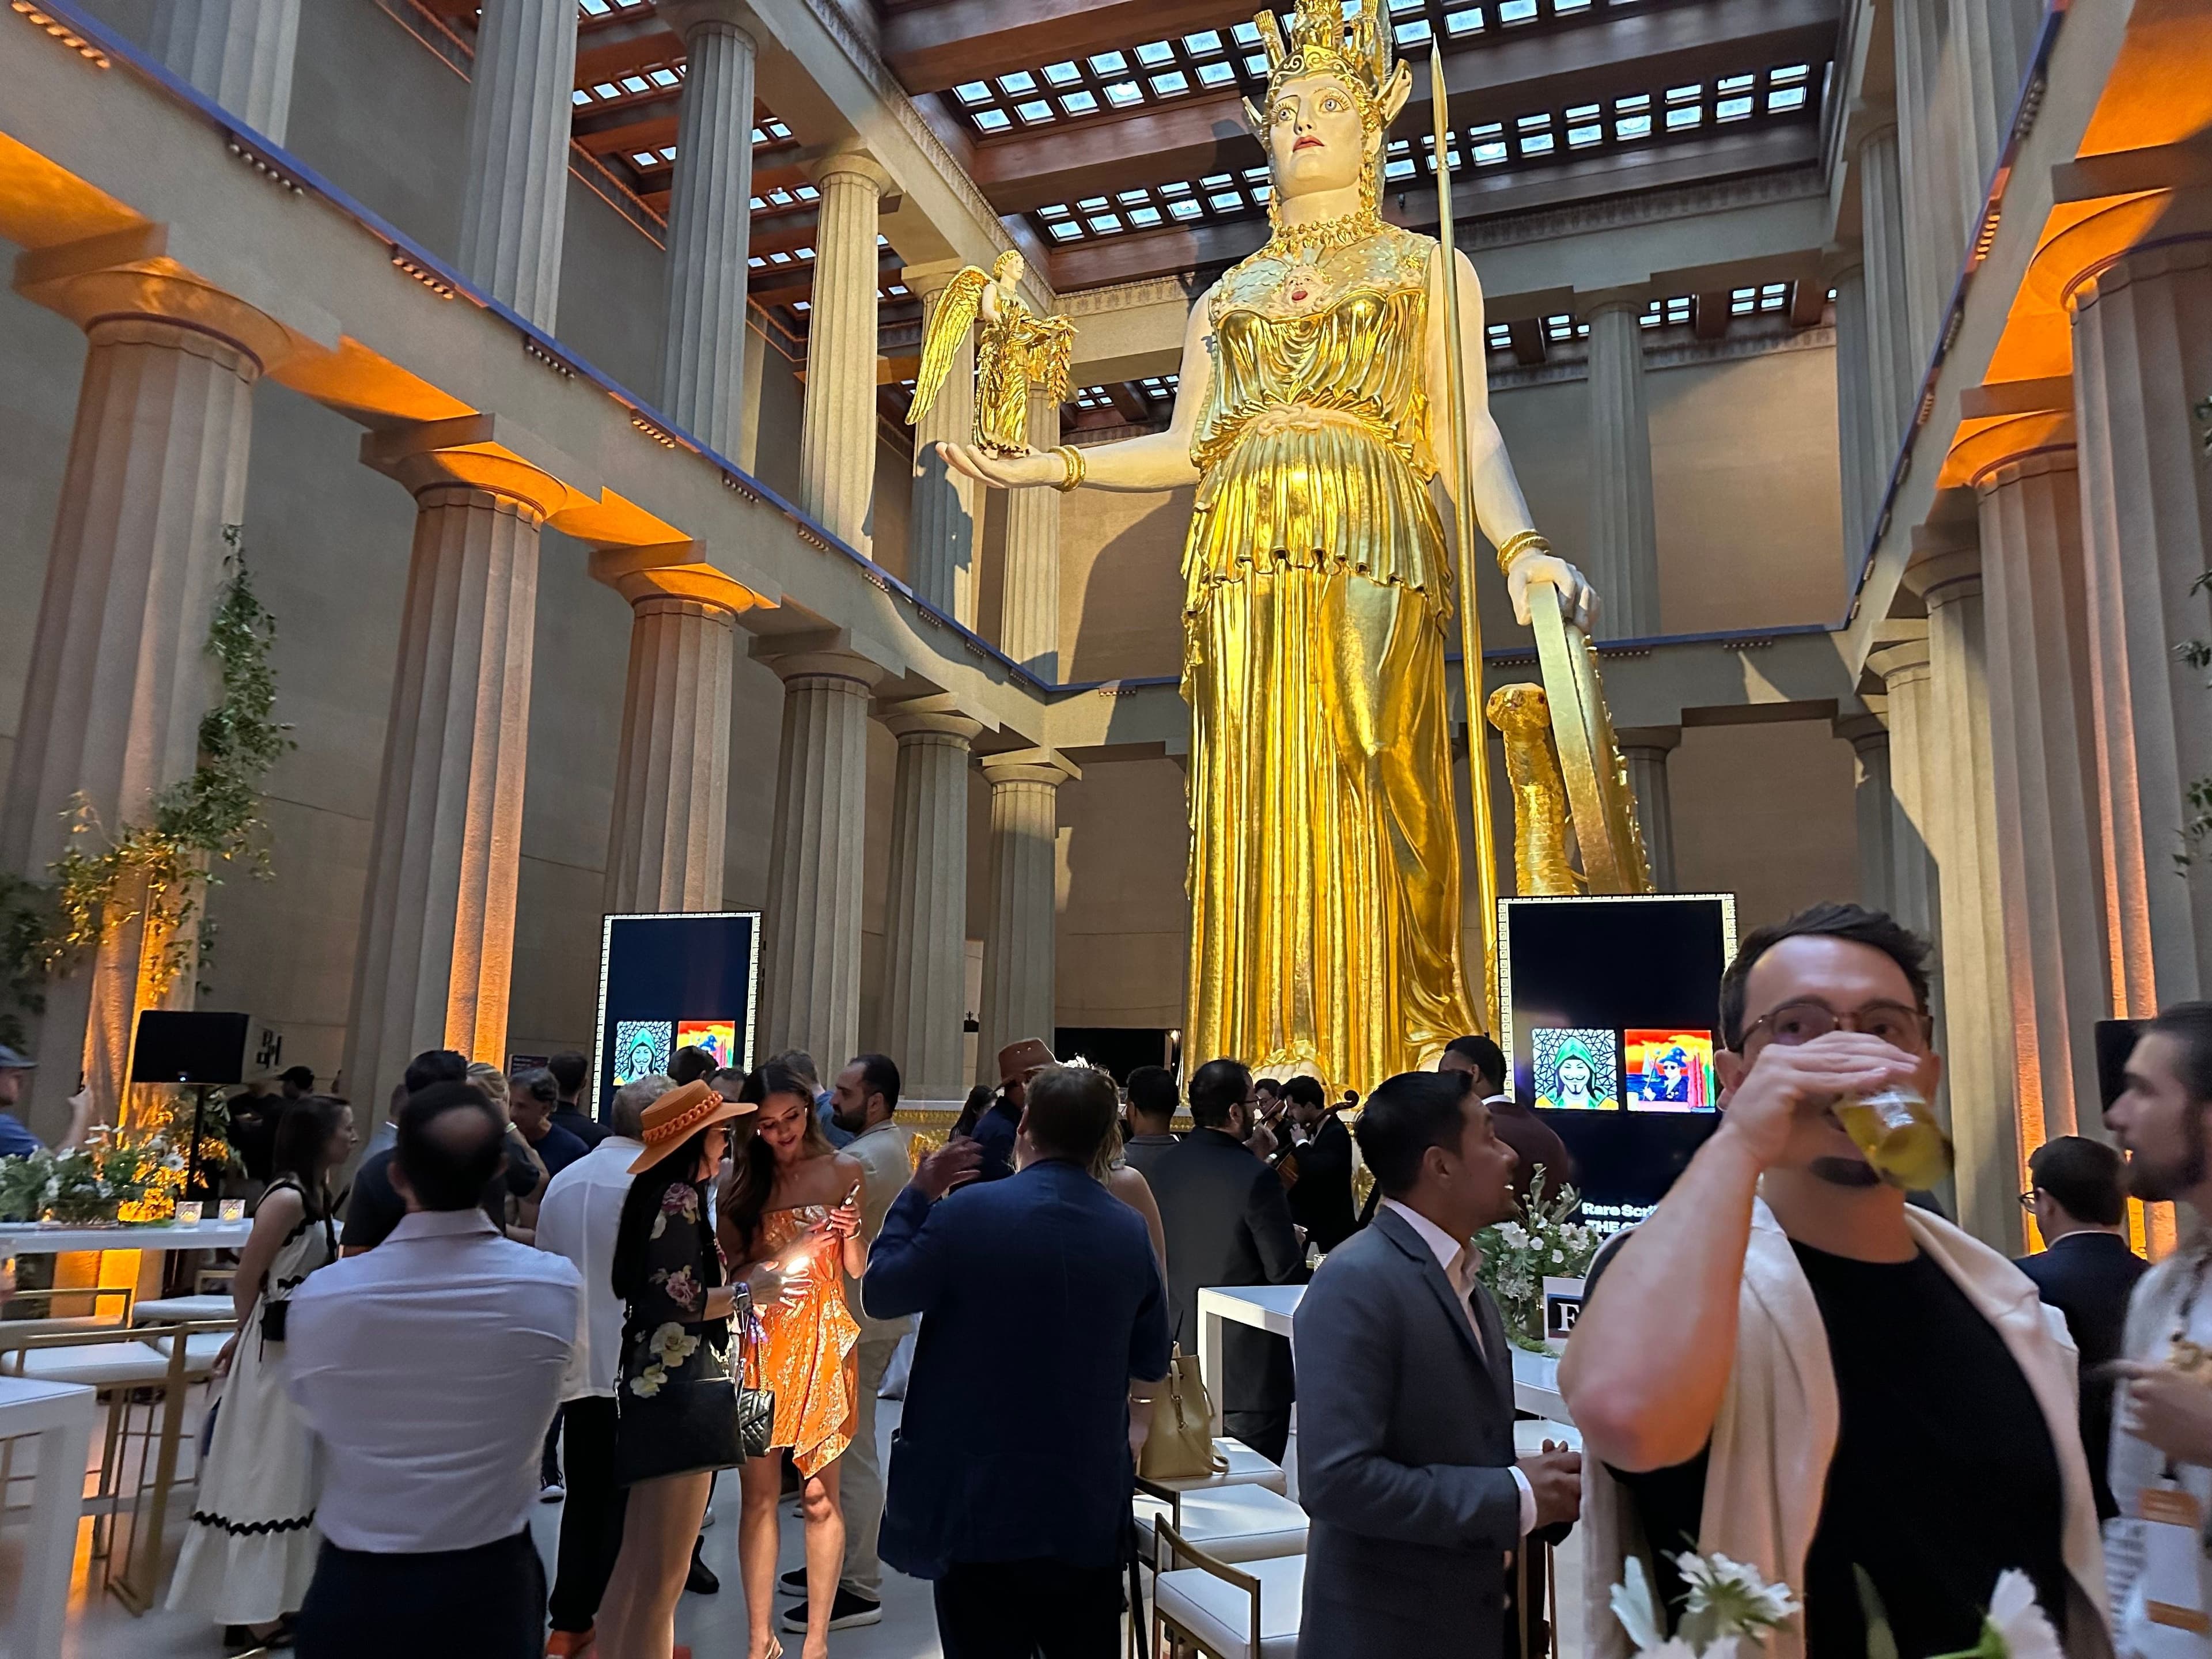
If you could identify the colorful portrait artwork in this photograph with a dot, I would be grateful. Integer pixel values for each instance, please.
(719, 1037)
(1575, 1069)
(1669, 1071)
(642, 1048)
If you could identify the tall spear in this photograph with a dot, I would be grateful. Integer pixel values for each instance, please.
(1470, 624)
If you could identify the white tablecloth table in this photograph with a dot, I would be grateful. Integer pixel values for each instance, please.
(28, 1238)
(58, 1415)
(1270, 1308)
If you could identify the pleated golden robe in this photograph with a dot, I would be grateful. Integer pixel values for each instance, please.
(1324, 860)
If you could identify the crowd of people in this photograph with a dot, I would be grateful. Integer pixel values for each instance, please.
(1788, 1363)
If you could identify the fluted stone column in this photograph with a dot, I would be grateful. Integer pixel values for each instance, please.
(120, 675)
(2046, 785)
(837, 448)
(811, 979)
(702, 373)
(238, 52)
(1993, 41)
(1978, 1024)
(1644, 749)
(943, 523)
(1019, 947)
(516, 197)
(925, 943)
(437, 933)
(1861, 474)
(1894, 360)
(1028, 626)
(2142, 357)
(665, 840)
(1928, 168)
(1870, 794)
(1624, 550)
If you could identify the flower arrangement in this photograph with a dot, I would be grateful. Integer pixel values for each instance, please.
(107, 1179)
(1727, 1603)
(1517, 1257)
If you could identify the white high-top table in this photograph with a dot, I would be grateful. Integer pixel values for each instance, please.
(28, 1238)
(58, 1415)
(1270, 1307)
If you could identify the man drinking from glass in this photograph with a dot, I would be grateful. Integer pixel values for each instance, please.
(1788, 1366)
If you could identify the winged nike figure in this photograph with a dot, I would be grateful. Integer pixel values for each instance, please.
(1014, 351)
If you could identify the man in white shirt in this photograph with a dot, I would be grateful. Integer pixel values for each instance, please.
(1405, 1455)
(429, 1369)
(578, 1219)
(862, 1102)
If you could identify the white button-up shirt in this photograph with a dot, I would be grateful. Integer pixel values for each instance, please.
(578, 1217)
(429, 1369)
(1459, 1259)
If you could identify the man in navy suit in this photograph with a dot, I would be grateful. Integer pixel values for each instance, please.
(2077, 1194)
(1406, 1461)
(1046, 1330)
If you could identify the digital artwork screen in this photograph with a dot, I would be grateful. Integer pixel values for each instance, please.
(1667, 1070)
(1609, 1005)
(642, 1048)
(671, 979)
(719, 1037)
(1574, 1069)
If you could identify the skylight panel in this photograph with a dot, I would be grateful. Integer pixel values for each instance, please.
(1688, 115)
(1216, 74)
(635, 84)
(807, 193)
(968, 92)
(1169, 85)
(1202, 43)
(1185, 210)
(1057, 210)
(1246, 35)
(1559, 328)
(663, 77)
(1742, 301)
(1123, 94)
(1415, 32)
(579, 97)
(1110, 63)
(1036, 111)
(993, 120)
(1500, 337)
(1092, 204)
(1784, 98)
(1568, 8)
(1516, 11)
(1079, 102)
(1062, 75)
(1019, 84)
(1144, 218)
(1066, 231)
(1153, 53)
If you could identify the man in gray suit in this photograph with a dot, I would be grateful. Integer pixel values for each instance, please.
(1406, 1461)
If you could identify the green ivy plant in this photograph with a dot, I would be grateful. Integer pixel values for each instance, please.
(161, 870)
(2196, 794)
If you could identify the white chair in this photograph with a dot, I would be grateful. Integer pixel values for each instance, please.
(1229, 1613)
(174, 1310)
(1243, 1468)
(1244, 1523)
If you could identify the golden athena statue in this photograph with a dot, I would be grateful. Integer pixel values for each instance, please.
(1325, 917)
(1016, 350)
(1523, 715)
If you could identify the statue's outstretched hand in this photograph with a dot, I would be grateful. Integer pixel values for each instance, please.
(1578, 599)
(1003, 471)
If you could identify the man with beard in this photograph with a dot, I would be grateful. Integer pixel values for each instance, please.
(2161, 1464)
(1787, 1365)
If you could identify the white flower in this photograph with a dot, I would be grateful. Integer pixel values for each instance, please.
(1638, 1610)
(1732, 1595)
(1558, 1256)
(671, 1346)
(647, 1383)
(2018, 1623)
(1514, 1236)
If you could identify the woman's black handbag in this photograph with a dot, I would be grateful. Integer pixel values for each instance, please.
(756, 1406)
(682, 1428)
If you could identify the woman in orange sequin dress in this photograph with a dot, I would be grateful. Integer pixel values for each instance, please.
(793, 1203)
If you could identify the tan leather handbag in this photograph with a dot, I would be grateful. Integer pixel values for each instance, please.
(1181, 1444)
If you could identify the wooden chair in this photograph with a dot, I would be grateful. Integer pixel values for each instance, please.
(1223, 1611)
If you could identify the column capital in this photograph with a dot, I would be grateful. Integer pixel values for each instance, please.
(2006, 443)
(1597, 306)
(931, 275)
(818, 661)
(1648, 740)
(1047, 766)
(735, 16)
(130, 274)
(674, 571)
(1862, 731)
(1946, 564)
(850, 159)
(1901, 652)
(473, 451)
(939, 716)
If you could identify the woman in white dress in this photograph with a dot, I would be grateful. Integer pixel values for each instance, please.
(251, 1550)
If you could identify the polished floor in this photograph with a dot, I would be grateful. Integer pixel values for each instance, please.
(714, 1626)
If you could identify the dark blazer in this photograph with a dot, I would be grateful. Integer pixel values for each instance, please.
(1320, 1198)
(2089, 1278)
(1404, 1455)
(994, 1134)
(1227, 1223)
(1043, 1300)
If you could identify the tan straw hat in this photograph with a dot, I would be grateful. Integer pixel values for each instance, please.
(680, 1114)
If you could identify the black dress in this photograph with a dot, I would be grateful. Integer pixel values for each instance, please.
(675, 1389)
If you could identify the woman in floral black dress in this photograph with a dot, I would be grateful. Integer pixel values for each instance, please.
(676, 1405)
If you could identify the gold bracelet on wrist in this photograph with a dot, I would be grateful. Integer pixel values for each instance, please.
(1071, 459)
(1526, 541)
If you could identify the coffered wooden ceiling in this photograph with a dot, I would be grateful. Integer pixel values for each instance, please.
(1114, 126)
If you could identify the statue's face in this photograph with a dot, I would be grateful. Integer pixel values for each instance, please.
(1573, 1076)
(1008, 267)
(1315, 139)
